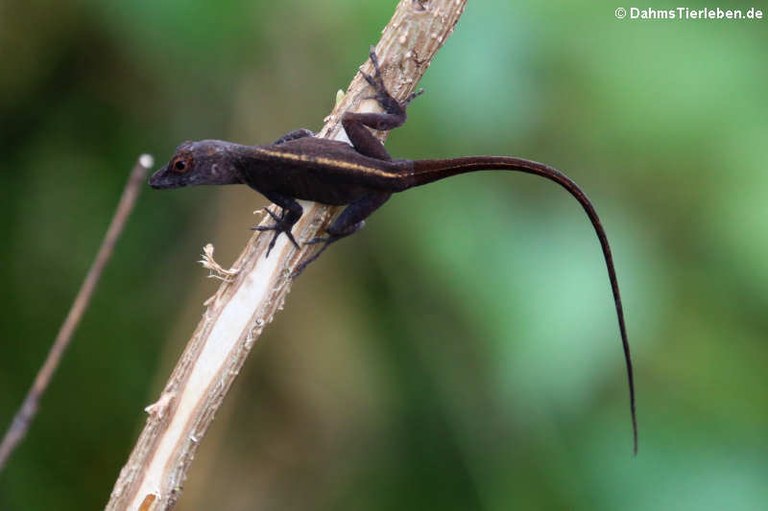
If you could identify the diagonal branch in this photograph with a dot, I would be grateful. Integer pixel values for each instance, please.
(250, 295)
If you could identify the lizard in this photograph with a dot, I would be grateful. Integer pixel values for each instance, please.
(361, 176)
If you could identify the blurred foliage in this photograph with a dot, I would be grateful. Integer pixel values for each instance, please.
(461, 352)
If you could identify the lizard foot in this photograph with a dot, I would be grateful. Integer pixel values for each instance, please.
(382, 95)
(283, 224)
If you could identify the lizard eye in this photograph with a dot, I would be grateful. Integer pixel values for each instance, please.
(180, 165)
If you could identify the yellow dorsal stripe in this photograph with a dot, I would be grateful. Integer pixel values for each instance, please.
(320, 160)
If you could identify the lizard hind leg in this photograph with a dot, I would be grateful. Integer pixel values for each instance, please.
(351, 220)
(357, 125)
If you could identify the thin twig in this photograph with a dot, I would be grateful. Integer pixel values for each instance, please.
(23, 418)
(251, 295)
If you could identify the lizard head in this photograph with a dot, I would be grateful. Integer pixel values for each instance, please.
(206, 162)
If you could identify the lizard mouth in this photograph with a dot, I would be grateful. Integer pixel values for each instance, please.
(159, 179)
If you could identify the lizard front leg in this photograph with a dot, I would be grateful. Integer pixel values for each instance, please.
(294, 135)
(291, 213)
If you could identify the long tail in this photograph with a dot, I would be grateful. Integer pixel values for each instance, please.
(428, 171)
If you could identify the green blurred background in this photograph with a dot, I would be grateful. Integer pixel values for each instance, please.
(462, 351)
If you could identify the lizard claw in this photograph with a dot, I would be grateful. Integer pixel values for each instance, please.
(326, 241)
(412, 96)
(273, 215)
(282, 225)
(319, 239)
(374, 81)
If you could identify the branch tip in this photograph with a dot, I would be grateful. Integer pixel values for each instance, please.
(146, 161)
